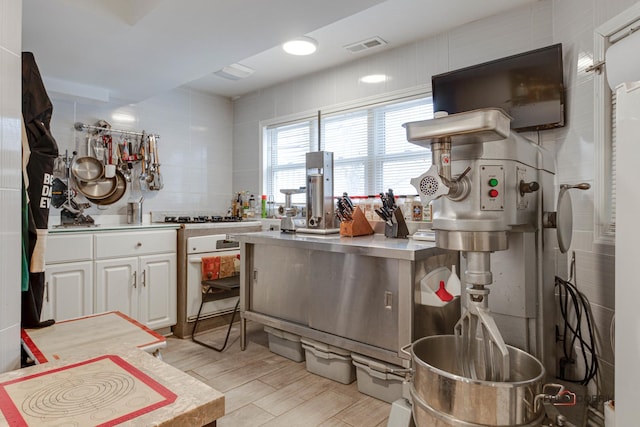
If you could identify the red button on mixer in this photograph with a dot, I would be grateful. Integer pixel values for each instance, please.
(493, 193)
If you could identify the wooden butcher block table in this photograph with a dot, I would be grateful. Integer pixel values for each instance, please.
(98, 331)
(120, 385)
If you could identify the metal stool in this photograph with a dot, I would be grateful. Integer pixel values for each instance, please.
(231, 287)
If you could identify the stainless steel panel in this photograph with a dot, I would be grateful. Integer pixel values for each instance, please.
(279, 284)
(515, 279)
(353, 300)
(491, 175)
(355, 296)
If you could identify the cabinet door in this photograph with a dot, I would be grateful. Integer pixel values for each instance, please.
(158, 290)
(117, 286)
(68, 290)
(280, 285)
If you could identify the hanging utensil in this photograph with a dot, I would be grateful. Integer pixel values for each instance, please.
(157, 178)
(151, 169)
(143, 165)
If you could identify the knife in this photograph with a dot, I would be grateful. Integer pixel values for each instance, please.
(380, 214)
(348, 201)
(391, 199)
(383, 197)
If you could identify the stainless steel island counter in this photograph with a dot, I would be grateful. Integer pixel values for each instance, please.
(357, 293)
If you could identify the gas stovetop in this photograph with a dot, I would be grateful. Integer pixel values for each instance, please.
(200, 219)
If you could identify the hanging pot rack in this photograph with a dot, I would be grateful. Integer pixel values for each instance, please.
(84, 127)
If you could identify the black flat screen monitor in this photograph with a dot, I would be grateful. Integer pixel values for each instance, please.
(527, 86)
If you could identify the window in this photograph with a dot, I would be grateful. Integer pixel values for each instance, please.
(370, 151)
(605, 133)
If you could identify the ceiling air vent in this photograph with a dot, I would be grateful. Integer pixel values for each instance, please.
(235, 72)
(365, 45)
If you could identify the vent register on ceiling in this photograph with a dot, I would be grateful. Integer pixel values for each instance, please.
(115, 161)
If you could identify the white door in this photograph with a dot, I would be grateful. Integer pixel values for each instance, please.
(117, 286)
(68, 291)
(158, 290)
(627, 291)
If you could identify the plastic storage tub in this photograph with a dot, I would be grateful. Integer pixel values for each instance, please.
(285, 344)
(378, 379)
(328, 361)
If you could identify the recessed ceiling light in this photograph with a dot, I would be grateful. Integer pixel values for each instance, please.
(123, 117)
(300, 46)
(374, 78)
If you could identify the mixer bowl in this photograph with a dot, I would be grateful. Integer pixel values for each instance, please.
(442, 396)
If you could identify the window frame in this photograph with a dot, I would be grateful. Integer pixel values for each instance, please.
(369, 102)
(604, 225)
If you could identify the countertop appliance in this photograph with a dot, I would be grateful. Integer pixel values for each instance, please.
(292, 218)
(321, 217)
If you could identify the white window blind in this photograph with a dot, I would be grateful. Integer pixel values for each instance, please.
(370, 150)
(287, 147)
(612, 183)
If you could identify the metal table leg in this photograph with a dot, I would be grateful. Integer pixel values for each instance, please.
(243, 333)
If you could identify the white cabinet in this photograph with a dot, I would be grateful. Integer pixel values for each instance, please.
(130, 271)
(68, 290)
(158, 294)
(116, 286)
(143, 284)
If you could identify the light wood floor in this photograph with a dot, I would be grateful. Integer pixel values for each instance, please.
(264, 389)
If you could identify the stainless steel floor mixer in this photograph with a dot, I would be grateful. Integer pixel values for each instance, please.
(484, 186)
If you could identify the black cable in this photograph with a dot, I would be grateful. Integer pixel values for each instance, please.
(568, 292)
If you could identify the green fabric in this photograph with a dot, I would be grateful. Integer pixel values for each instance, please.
(25, 239)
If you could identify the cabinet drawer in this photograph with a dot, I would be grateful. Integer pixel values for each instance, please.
(66, 248)
(109, 245)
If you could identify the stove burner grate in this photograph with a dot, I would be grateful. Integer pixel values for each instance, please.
(200, 219)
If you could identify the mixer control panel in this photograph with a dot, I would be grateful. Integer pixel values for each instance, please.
(492, 188)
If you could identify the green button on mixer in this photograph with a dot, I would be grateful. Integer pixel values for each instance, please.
(493, 182)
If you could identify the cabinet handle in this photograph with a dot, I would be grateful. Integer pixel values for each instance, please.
(46, 289)
(144, 278)
(135, 280)
(388, 300)
(139, 244)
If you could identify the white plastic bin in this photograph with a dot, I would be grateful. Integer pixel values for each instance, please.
(285, 344)
(378, 379)
(328, 361)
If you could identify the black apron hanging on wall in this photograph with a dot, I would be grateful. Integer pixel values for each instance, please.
(39, 153)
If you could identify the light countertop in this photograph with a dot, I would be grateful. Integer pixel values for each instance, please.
(111, 227)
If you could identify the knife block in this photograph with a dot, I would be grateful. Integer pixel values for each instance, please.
(398, 227)
(358, 226)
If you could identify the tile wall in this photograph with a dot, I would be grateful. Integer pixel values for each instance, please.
(570, 22)
(195, 148)
(10, 182)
